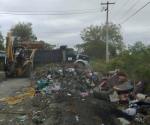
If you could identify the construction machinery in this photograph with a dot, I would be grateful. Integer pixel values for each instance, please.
(20, 57)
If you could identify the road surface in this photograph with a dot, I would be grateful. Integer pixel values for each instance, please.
(11, 86)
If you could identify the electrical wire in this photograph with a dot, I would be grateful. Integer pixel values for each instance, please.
(126, 2)
(60, 32)
(122, 16)
(122, 5)
(131, 8)
(135, 13)
(48, 12)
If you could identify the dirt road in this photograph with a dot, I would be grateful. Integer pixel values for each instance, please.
(11, 86)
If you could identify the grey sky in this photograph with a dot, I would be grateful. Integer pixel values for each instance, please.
(65, 29)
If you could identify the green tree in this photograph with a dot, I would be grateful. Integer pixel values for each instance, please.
(47, 45)
(137, 47)
(1, 42)
(94, 38)
(79, 48)
(23, 32)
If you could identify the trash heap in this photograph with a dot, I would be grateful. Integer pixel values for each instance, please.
(80, 95)
(71, 96)
(128, 95)
(62, 96)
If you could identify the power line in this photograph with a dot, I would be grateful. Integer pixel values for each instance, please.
(120, 13)
(117, 3)
(118, 10)
(42, 14)
(124, 4)
(131, 8)
(48, 12)
(135, 13)
(67, 32)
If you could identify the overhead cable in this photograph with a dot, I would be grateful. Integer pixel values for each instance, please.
(135, 13)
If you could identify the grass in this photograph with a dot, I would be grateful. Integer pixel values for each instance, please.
(99, 65)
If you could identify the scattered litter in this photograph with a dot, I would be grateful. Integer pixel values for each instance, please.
(22, 118)
(84, 94)
(56, 88)
(1, 120)
(77, 118)
(139, 118)
(64, 96)
(130, 111)
(68, 94)
(2, 106)
(140, 96)
(125, 87)
(114, 97)
(83, 99)
(37, 117)
(123, 121)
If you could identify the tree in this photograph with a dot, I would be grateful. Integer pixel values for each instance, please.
(79, 48)
(47, 45)
(94, 38)
(22, 32)
(137, 47)
(1, 42)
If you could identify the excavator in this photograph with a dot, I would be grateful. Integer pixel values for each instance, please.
(20, 57)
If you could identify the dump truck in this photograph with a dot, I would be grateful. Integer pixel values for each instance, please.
(59, 55)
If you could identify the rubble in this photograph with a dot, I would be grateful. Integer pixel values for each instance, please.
(64, 95)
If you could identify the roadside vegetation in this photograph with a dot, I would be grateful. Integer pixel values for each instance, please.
(134, 60)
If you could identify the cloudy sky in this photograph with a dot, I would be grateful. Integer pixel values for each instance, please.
(60, 21)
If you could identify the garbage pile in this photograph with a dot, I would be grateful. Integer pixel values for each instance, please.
(69, 96)
(128, 96)
(63, 95)
(112, 99)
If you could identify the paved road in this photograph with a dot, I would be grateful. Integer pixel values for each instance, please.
(11, 86)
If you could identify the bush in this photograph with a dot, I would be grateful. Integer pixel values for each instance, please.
(135, 63)
(99, 66)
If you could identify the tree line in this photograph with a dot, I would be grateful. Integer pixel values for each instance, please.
(134, 59)
(22, 32)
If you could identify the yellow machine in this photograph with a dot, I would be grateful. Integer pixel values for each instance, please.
(20, 58)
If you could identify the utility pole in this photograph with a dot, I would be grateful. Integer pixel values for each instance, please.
(107, 23)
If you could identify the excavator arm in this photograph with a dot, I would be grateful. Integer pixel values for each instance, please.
(20, 64)
(9, 48)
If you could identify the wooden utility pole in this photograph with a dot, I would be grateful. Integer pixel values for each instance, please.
(107, 35)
